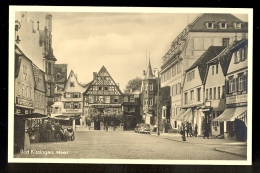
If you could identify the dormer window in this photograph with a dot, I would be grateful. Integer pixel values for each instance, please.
(223, 25)
(237, 25)
(210, 25)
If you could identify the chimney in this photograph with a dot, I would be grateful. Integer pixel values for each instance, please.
(94, 75)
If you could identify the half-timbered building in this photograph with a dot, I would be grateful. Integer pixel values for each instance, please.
(103, 101)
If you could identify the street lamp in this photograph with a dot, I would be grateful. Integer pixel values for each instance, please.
(157, 111)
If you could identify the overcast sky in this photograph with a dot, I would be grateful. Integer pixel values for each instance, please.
(87, 41)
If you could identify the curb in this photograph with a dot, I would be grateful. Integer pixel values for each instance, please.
(224, 151)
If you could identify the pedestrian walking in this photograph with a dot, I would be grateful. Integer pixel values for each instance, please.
(42, 131)
(190, 129)
(206, 133)
(106, 127)
(195, 130)
(48, 129)
(187, 129)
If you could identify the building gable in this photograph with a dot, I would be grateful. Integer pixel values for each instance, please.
(103, 84)
(72, 84)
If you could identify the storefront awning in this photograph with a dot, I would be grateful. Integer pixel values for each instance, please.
(231, 113)
(187, 116)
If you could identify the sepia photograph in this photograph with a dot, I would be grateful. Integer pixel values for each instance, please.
(130, 85)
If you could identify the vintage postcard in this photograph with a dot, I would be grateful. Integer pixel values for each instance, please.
(130, 85)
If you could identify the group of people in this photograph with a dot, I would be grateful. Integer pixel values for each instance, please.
(47, 131)
(187, 130)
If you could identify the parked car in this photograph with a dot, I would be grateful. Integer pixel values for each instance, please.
(143, 128)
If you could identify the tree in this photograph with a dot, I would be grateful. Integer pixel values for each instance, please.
(134, 84)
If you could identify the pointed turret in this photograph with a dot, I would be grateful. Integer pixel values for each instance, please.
(149, 72)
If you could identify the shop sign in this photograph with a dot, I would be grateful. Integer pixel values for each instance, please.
(190, 102)
(236, 99)
(72, 110)
(24, 102)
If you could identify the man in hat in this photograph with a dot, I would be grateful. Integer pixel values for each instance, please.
(48, 129)
(42, 131)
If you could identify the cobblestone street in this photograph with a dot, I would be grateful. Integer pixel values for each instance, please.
(126, 145)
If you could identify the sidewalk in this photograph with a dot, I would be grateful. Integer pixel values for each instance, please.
(223, 145)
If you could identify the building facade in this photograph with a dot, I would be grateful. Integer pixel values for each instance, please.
(132, 107)
(193, 91)
(149, 90)
(234, 117)
(103, 101)
(205, 31)
(72, 99)
(60, 75)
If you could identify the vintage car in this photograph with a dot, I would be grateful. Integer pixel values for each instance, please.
(142, 128)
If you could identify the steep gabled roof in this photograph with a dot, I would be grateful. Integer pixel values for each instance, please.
(199, 25)
(201, 63)
(72, 73)
(225, 56)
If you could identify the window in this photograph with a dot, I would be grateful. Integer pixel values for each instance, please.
(217, 69)
(100, 88)
(198, 93)
(151, 102)
(91, 99)
(223, 25)
(100, 99)
(107, 99)
(212, 69)
(218, 92)
(210, 25)
(231, 85)
(245, 54)
(67, 105)
(240, 83)
(173, 90)
(185, 98)
(175, 124)
(105, 88)
(115, 99)
(57, 99)
(223, 91)
(58, 76)
(146, 102)
(76, 106)
(132, 109)
(76, 95)
(207, 92)
(225, 42)
(210, 94)
(22, 94)
(132, 99)
(178, 68)
(237, 25)
(190, 75)
(125, 98)
(179, 88)
(151, 87)
(192, 95)
(72, 84)
(215, 93)
(49, 69)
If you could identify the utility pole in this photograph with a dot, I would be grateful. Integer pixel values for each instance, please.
(157, 111)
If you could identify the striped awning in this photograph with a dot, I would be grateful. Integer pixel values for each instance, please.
(231, 113)
(180, 115)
